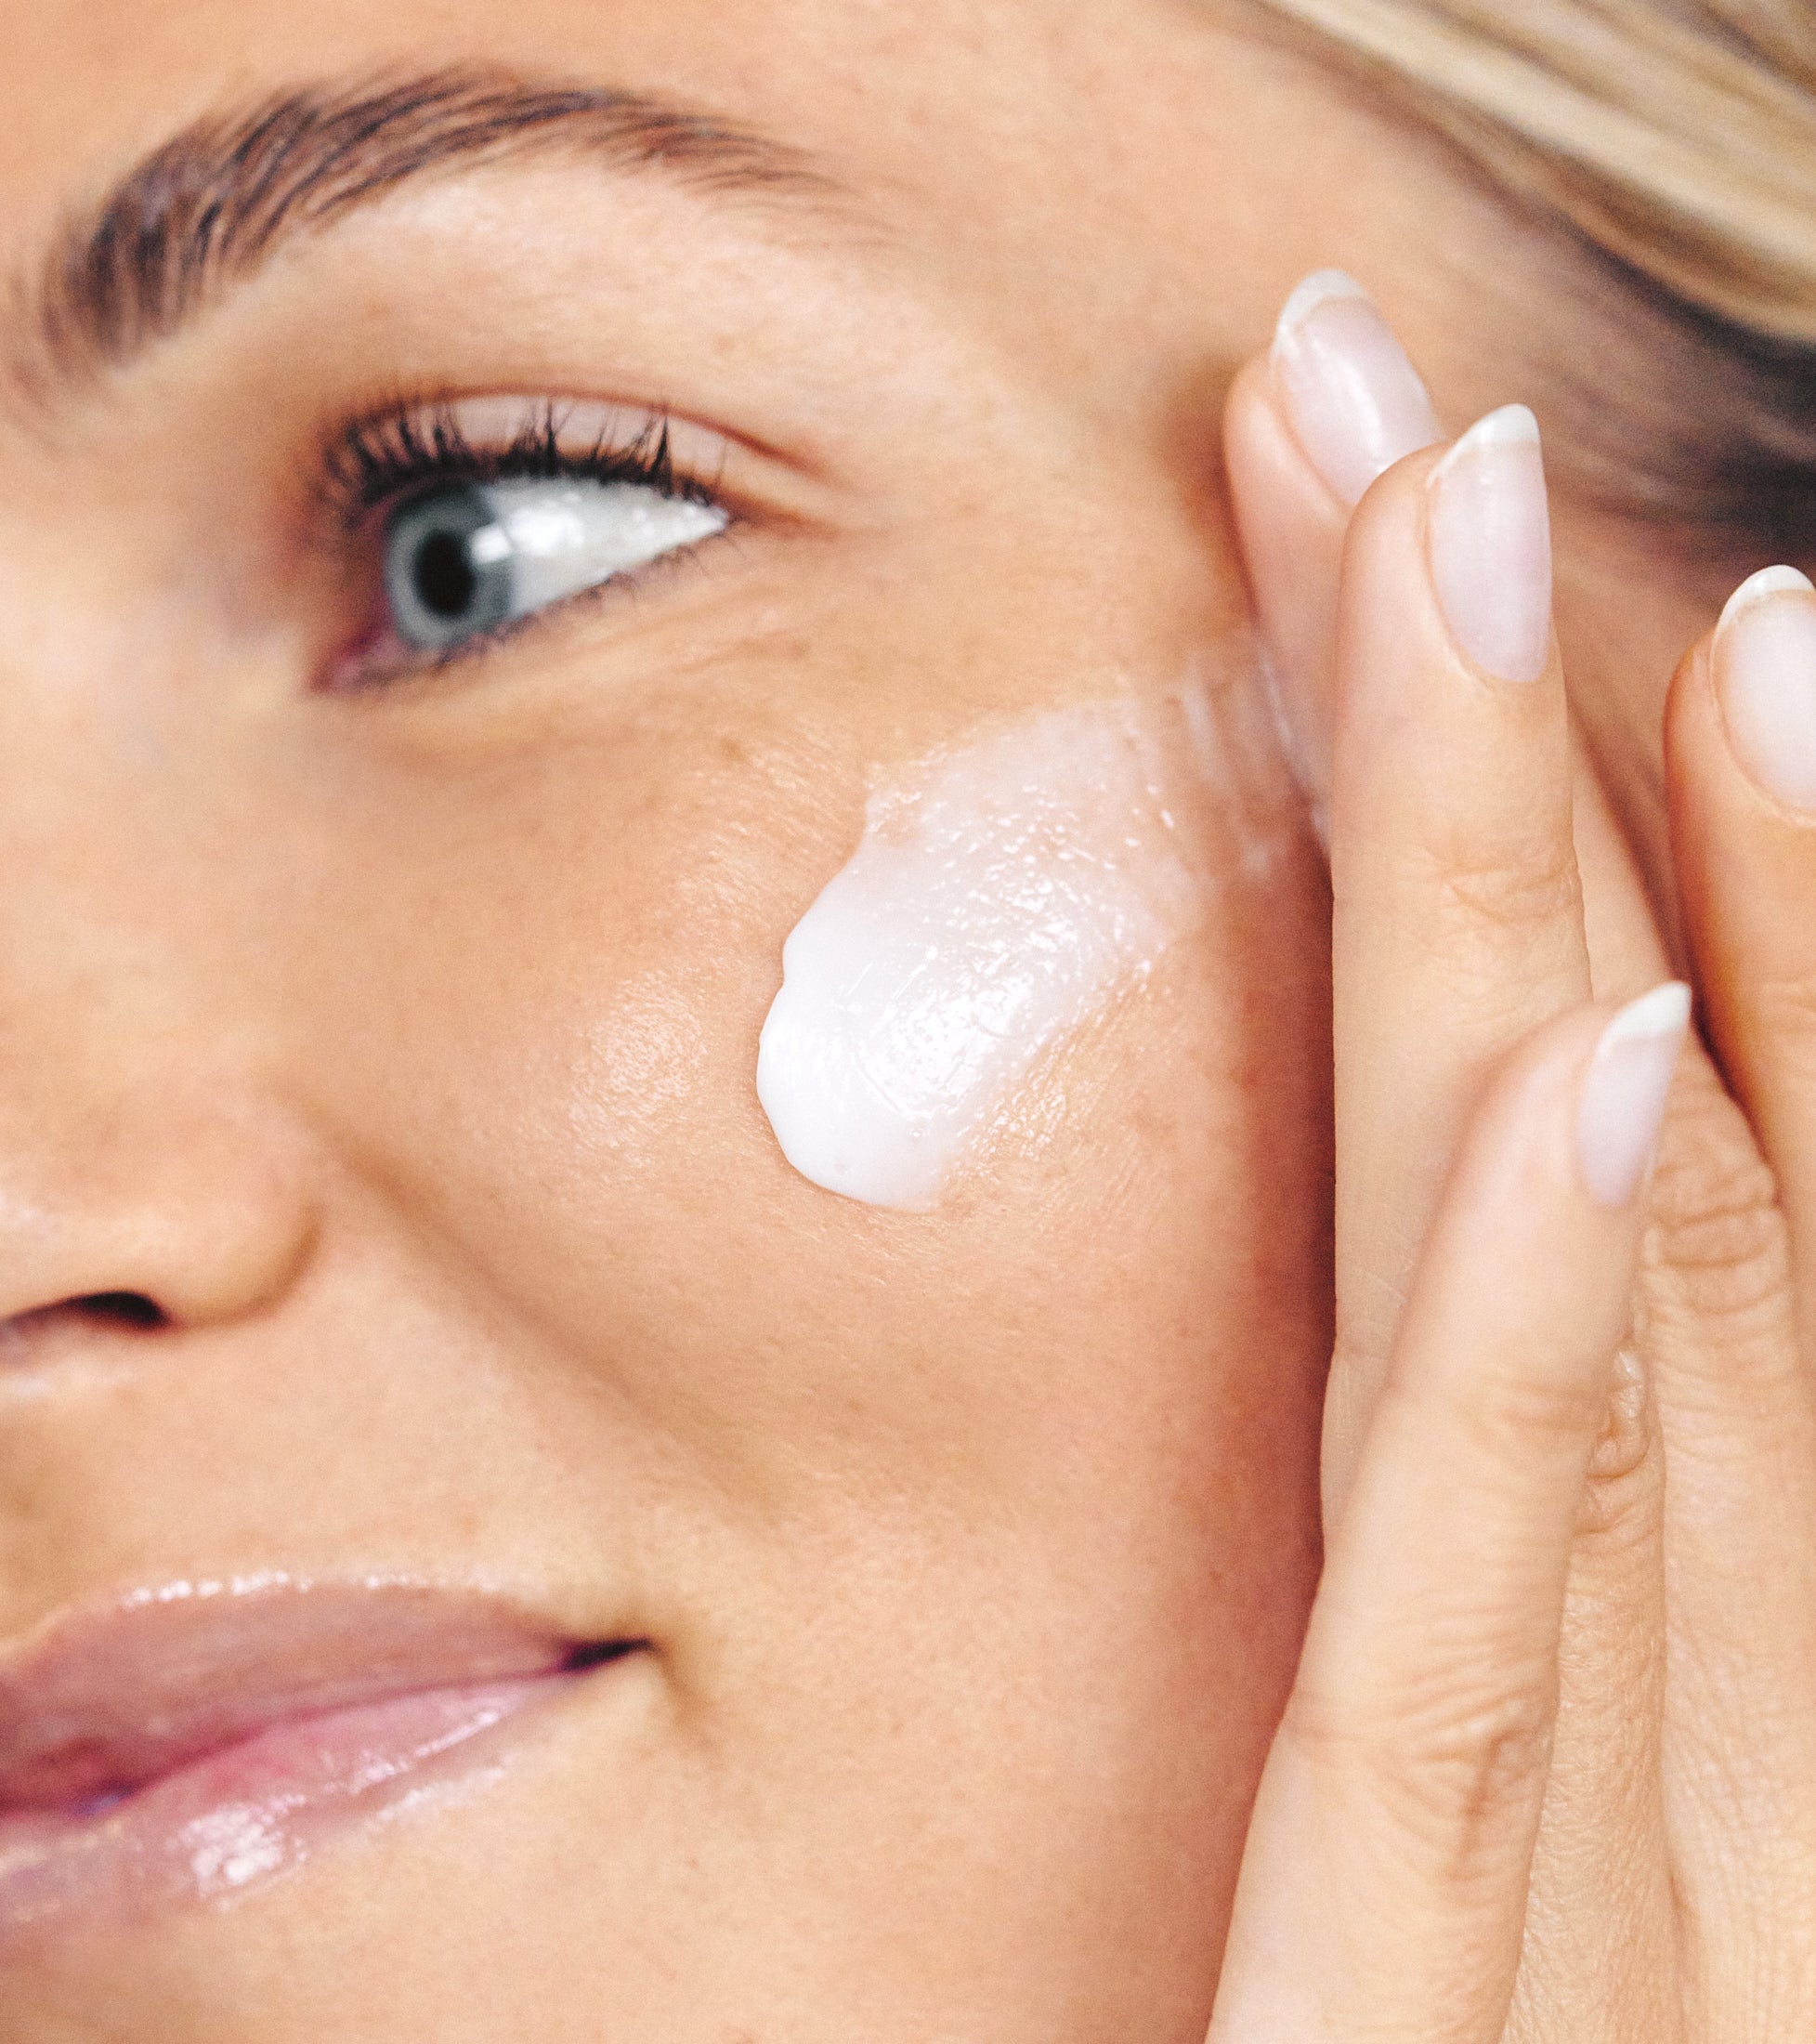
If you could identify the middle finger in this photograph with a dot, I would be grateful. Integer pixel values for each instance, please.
(1458, 907)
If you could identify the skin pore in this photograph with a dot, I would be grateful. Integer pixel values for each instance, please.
(397, 1041)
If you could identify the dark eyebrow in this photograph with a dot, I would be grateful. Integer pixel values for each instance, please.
(208, 207)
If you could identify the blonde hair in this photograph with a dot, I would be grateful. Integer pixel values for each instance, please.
(1680, 136)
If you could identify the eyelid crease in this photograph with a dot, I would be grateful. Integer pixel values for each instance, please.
(404, 448)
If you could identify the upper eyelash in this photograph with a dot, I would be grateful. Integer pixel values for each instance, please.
(384, 457)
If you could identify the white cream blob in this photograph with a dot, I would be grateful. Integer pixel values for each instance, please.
(1001, 897)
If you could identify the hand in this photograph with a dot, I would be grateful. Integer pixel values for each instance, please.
(1549, 1769)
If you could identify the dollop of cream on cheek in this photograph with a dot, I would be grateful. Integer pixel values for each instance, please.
(1001, 897)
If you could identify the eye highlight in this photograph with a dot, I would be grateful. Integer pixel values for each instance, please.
(486, 513)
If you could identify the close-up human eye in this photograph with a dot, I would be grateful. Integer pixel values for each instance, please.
(475, 534)
(907, 1118)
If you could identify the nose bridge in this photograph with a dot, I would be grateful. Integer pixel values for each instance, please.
(143, 1145)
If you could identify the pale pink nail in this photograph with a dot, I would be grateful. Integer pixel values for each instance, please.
(1491, 545)
(1355, 400)
(1765, 664)
(1624, 1095)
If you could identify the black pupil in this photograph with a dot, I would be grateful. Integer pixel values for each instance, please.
(443, 574)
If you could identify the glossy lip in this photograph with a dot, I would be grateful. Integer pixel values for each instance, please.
(191, 1741)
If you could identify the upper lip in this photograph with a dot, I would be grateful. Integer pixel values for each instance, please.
(97, 1702)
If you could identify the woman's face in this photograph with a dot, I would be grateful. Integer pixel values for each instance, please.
(390, 1025)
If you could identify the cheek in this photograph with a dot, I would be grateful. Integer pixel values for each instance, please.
(1054, 1440)
(1115, 1133)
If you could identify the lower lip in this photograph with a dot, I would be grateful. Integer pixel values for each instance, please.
(242, 1816)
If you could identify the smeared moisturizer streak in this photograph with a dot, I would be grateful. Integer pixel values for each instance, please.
(997, 901)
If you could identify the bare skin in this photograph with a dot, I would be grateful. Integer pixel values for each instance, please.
(396, 1043)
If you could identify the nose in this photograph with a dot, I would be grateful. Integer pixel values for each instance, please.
(149, 1170)
(158, 1205)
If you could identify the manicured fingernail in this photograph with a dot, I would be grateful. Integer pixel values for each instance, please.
(1764, 674)
(1628, 1081)
(1355, 400)
(1491, 545)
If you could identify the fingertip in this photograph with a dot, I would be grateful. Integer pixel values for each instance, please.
(1291, 531)
(1739, 757)
(1566, 1126)
(1764, 669)
(1625, 1090)
(1489, 537)
(1348, 390)
(1767, 581)
(1319, 289)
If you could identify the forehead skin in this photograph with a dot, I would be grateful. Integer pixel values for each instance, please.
(1064, 113)
(404, 1048)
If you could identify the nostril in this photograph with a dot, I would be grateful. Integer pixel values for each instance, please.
(121, 1309)
(28, 1334)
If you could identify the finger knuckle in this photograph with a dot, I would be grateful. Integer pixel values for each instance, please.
(1530, 1402)
(1530, 881)
(1719, 1248)
(1623, 1490)
(1454, 1768)
(1785, 1008)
